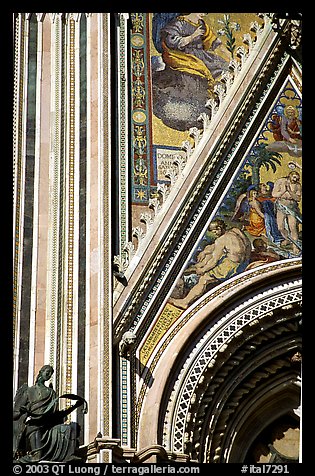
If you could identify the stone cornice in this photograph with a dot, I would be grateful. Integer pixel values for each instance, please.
(131, 455)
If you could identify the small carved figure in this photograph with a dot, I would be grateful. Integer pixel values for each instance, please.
(39, 429)
(119, 275)
(126, 343)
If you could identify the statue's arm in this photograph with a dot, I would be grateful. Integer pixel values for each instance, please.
(70, 409)
(80, 401)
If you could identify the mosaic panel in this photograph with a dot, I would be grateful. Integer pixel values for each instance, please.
(172, 80)
(259, 220)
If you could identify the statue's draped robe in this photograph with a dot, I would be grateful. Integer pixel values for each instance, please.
(43, 424)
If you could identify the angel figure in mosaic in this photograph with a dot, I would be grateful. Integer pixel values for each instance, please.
(192, 60)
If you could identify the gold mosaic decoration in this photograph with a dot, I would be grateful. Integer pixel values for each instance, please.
(169, 315)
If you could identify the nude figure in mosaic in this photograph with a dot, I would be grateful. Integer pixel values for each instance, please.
(226, 257)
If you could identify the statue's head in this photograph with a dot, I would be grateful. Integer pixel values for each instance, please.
(45, 373)
(129, 337)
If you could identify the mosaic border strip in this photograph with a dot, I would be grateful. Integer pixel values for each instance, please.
(140, 111)
(17, 159)
(106, 206)
(70, 228)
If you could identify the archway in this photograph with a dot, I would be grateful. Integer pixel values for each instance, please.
(247, 351)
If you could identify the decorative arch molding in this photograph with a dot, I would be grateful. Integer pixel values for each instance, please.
(248, 388)
(247, 320)
(266, 324)
(265, 405)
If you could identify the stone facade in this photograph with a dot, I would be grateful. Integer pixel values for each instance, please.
(110, 209)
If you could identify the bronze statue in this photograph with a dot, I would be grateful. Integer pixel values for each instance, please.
(39, 429)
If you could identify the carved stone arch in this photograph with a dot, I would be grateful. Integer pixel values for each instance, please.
(275, 399)
(245, 387)
(207, 357)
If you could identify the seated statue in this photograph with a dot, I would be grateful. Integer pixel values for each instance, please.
(40, 432)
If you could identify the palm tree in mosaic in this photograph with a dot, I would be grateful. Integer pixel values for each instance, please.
(260, 157)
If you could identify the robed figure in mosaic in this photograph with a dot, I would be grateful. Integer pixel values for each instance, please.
(188, 68)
